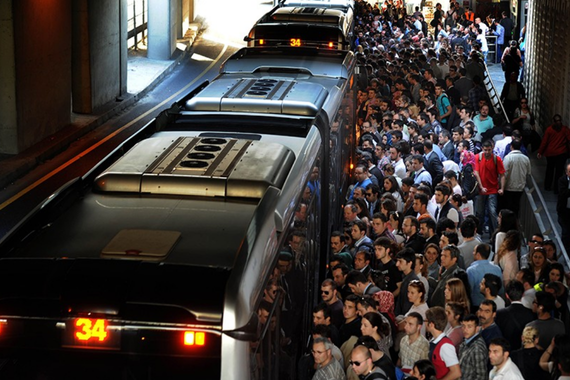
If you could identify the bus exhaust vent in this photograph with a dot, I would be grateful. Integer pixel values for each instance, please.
(308, 15)
(265, 95)
(212, 167)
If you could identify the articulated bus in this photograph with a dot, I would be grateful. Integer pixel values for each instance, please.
(157, 263)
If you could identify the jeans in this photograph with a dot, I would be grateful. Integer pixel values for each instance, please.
(486, 203)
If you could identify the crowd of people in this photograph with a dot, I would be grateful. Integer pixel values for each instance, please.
(431, 276)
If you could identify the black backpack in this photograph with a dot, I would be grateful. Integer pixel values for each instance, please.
(469, 185)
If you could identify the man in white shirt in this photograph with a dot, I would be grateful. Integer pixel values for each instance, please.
(517, 169)
(500, 145)
(526, 276)
(397, 162)
(503, 366)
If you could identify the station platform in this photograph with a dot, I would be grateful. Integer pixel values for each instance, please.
(143, 75)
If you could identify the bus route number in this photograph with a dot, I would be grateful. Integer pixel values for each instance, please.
(295, 42)
(87, 329)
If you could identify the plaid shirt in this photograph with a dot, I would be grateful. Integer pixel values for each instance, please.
(411, 353)
(473, 358)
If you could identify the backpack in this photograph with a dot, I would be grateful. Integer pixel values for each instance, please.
(480, 157)
(469, 185)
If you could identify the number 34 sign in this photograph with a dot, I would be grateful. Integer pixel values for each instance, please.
(91, 333)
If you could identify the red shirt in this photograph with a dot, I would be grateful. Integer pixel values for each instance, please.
(554, 142)
(489, 172)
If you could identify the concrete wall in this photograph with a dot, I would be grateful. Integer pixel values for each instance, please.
(547, 72)
(99, 53)
(162, 28)
(8, 119)
(108, 73)
(186, 15)
(42, 30)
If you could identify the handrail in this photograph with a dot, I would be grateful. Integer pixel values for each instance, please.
(493, 94)
(553, 228)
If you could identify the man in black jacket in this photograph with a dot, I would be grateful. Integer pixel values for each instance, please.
(512, 319)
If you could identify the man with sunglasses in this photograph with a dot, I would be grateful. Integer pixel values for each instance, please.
(329, 295)
(362, 364)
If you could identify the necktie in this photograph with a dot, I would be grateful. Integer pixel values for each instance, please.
(436, 213)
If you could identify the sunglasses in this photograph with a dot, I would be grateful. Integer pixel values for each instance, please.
(535, 241)
(355, 363)
(325, 292)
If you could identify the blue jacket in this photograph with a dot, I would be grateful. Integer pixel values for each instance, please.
(500, 33)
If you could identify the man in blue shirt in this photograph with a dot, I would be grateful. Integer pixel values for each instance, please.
(362, 179)
(499, 31)
(477, 270)
(422, 175)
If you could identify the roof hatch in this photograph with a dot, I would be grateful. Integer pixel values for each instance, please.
(212, 167)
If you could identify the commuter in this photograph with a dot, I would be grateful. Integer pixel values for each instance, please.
(472, 351)
(489, 171)
(328, 368)
(503, 366)
(413, 346)
(449, 269)
(384, 249)
(554, 147)
(527, 358)
(490, 286)
(470, 241)
(477, 270)
(322, 316)
(352, 321)
(517, 170)
(329, 296)
(379, 358)
(442, 352)
(414, 240)
(547, 326)
(362, 364)
(340, 249)
(486, 314)
(513, 319)
(380, 226)
(339, 273)
(421, 174)
(427, 230)
(405, 261)
(360, 284)
(362, 178)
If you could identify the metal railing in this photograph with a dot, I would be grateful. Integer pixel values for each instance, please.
(494, 96)
(534, 216)
(137, 22)
(533, 213)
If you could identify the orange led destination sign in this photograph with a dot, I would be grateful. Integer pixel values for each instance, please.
(295, 42)
(91, 329)
(91, 333)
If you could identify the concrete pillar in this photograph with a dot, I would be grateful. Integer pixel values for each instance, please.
(8, 121)
(161, 28)
(35, 80)
(99, 53)
(186, 16)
